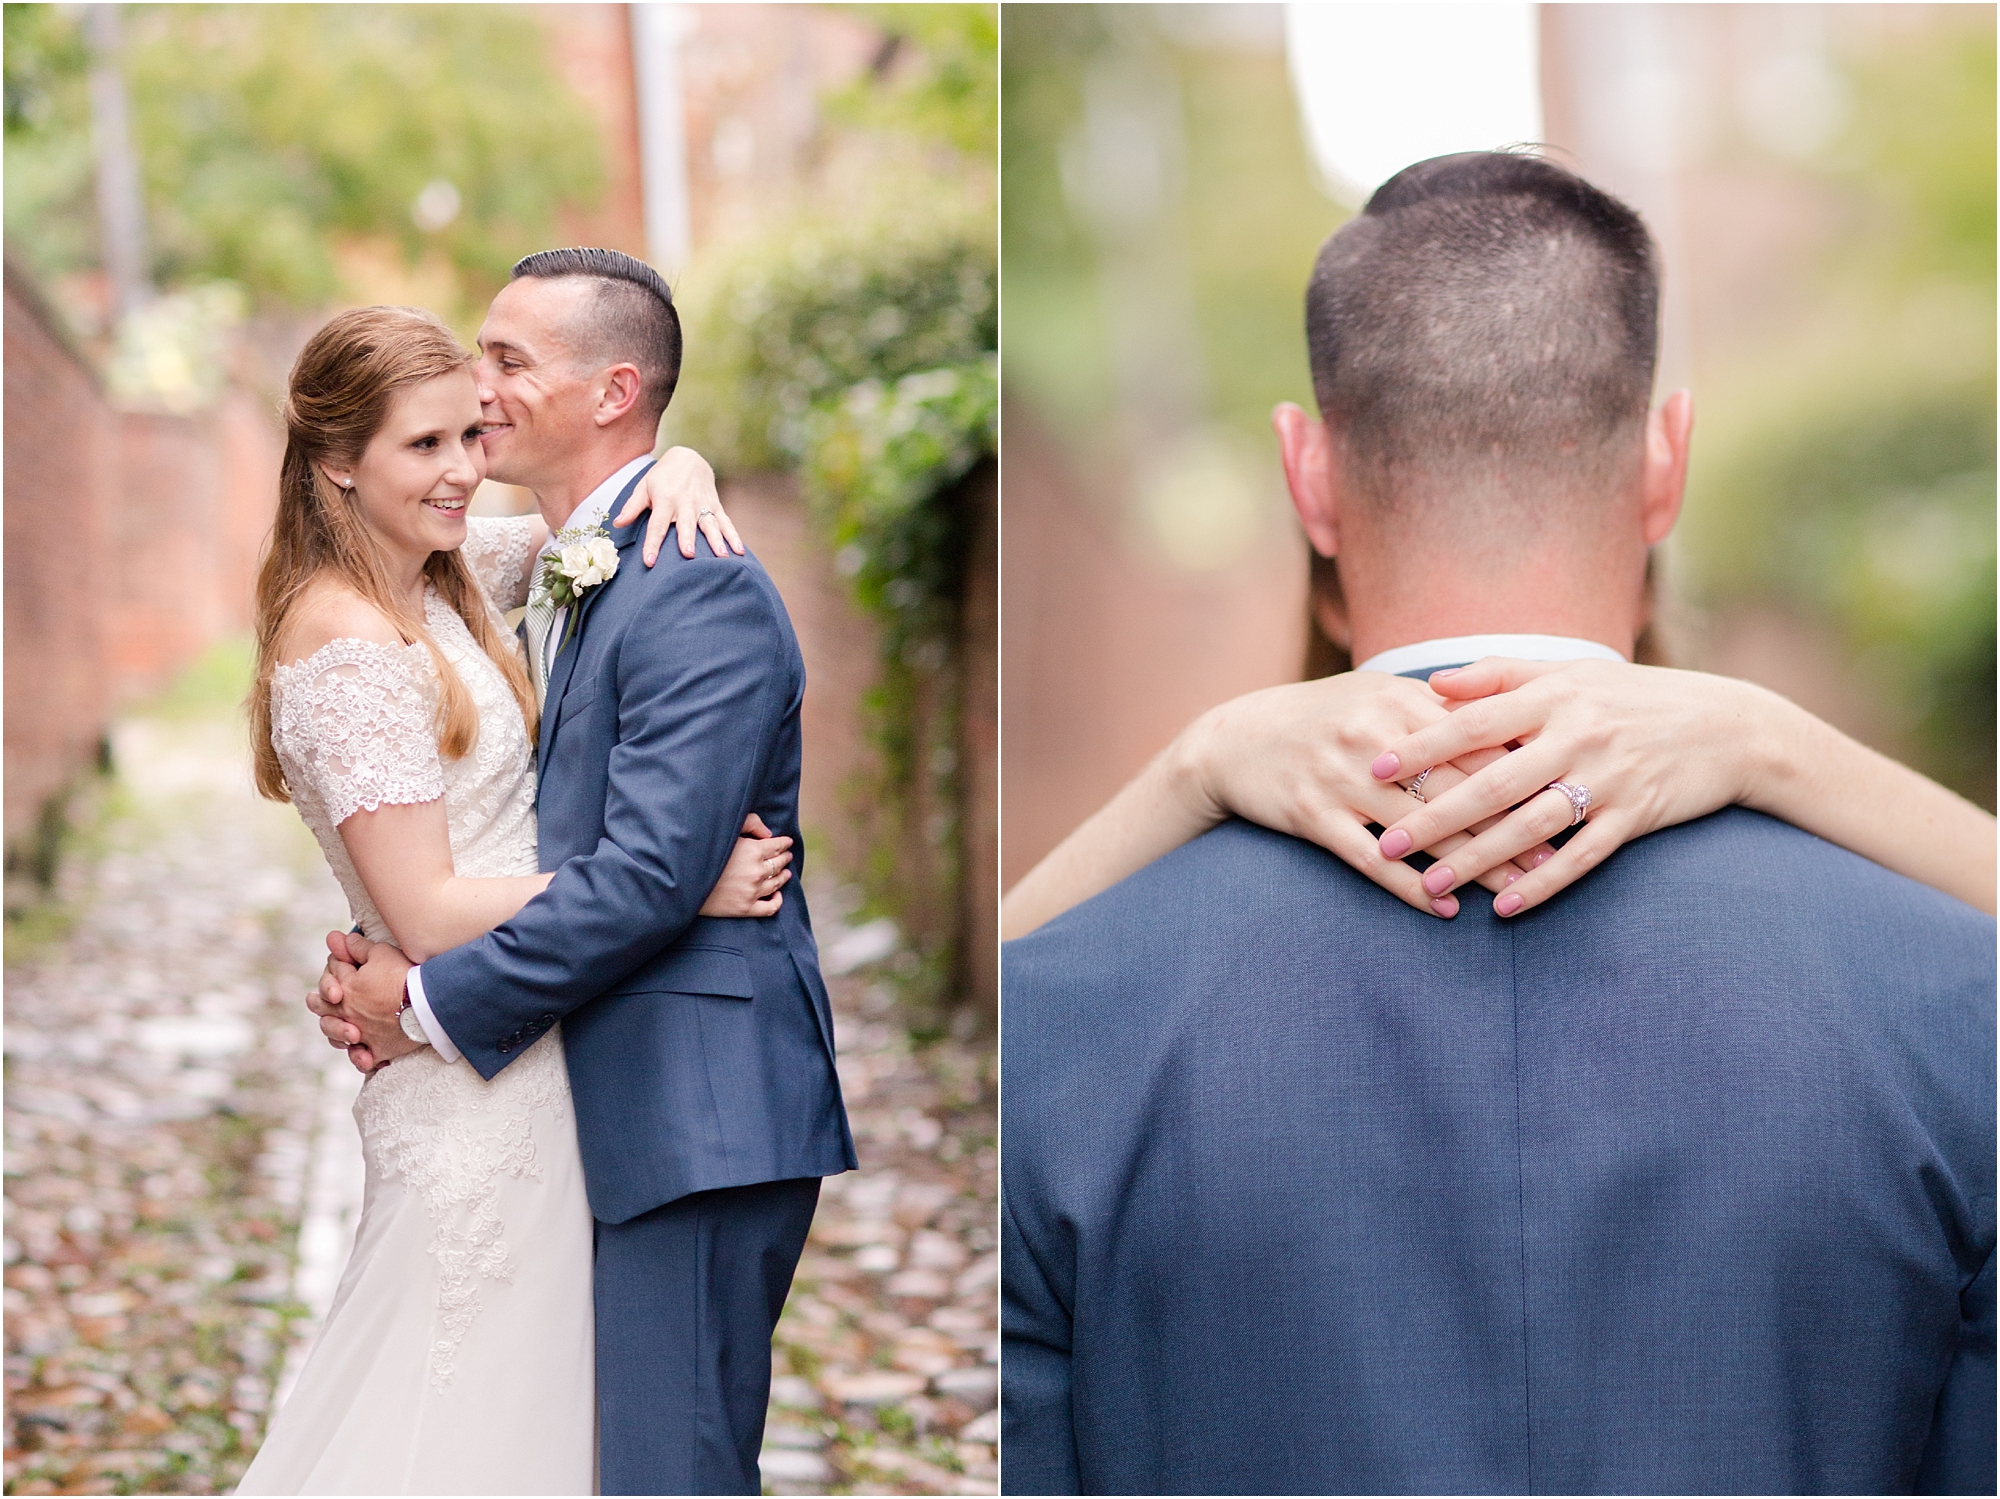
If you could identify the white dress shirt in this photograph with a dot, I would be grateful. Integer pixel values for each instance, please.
(594, 511)
(1463, 650)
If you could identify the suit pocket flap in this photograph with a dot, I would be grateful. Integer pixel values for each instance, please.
(575, 701)
(695, 970)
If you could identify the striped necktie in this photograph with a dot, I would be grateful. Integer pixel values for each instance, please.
(541, 619)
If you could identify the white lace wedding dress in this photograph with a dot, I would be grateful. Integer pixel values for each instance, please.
(458, 1355)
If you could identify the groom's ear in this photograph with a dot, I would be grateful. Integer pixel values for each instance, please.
(617, 389)
(1669, 431)
(1311, 473)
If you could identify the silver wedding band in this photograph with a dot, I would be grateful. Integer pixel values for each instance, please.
(1579, 799)
(1416, 787)
(699, 514)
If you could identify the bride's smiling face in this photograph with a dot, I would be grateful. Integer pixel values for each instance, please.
(414, 479)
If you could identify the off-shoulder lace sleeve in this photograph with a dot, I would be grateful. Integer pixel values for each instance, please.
(357, 720)
(496, 549)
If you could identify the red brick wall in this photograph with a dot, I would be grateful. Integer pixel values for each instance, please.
(131, 541)
(61, 457)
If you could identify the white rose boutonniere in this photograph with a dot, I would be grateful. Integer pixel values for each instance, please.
(584, 557)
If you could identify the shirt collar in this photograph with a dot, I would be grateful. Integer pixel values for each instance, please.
(596, 507)
(1462, 650)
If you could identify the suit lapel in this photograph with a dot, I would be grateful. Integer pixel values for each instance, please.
(563, 667)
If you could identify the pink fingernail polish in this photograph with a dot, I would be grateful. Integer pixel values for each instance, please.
(1385, 767)
(1445, 905)
(1508, 904)
(1539, 860)
(1449, 671)
(1510, 878)
(1438, 879)
(1395, 843)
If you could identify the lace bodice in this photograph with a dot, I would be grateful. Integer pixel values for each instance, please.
(354, 727)
(496, 549)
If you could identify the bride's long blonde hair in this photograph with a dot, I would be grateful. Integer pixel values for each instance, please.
(342, 386)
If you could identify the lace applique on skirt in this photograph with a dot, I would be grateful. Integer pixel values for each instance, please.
(451, 1137)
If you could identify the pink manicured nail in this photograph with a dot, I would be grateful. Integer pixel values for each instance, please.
(1385, 767)
(1395, 843)
(1445, 905)
(1449, 671)
(1510, 878)
(1438, 879)
(1508, 904)
(1540, 859)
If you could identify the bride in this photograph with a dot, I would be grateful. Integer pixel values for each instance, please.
(393, 708)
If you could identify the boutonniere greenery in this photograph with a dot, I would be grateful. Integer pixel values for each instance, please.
(583, 558)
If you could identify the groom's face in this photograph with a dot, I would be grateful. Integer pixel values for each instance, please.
(535, 394)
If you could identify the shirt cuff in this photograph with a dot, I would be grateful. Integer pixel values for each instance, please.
(433, 1032)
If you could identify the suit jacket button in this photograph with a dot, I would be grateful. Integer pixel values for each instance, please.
(548, 1020)
(504, 1047)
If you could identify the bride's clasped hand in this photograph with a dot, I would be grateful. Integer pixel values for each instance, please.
(1338, 761)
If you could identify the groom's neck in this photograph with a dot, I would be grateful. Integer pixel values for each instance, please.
(1583, 597)
(579, 476)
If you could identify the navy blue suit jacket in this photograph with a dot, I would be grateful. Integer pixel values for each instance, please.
(700, 1050)
(1681, 1183)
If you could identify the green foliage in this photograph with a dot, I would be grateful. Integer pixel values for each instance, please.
(874, 462)
(1241, 211)
(1916, 150)
(795, 320)
(1850, 476)
(862, 355)
(952, 95)
(265, 132)
(51, 217)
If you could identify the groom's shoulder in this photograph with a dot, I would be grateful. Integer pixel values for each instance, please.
(1226, 896)
(707, 578)
(1738, 869)
(1220, 871)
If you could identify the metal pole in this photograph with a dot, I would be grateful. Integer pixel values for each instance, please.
(120, 208)
(656, 64)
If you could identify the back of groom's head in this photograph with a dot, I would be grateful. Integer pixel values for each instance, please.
(629, 318)
(1487, 315)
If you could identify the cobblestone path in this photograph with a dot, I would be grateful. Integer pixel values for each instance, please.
(182, 1173)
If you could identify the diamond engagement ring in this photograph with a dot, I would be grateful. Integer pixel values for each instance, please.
(700, 513)
(1416, 787)
(1579, 798)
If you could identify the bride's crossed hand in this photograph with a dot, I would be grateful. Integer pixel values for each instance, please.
(1653, 747)
(1293, 758)
(1656, 747)
(1308, 775)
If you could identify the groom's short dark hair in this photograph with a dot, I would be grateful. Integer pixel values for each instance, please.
(1488, 315)
(631, 318)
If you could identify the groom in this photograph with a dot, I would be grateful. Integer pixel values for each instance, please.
(700, 1051)
(1679, 1183)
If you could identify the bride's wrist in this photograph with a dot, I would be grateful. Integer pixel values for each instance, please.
(1186, 771)
(1772, 749)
